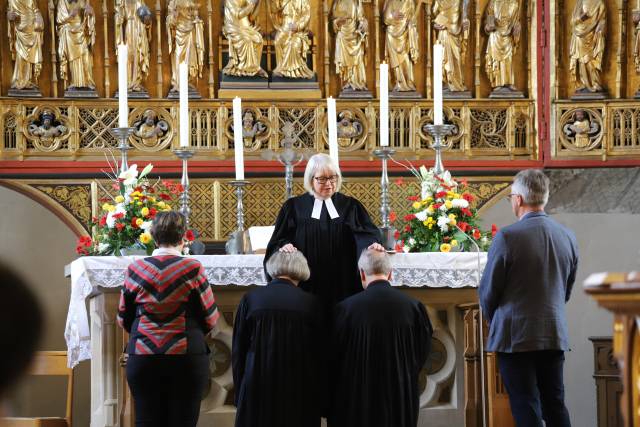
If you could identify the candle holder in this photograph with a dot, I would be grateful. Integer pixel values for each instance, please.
(387, 230)
(289, 157)
(123, 135)
(438, 132)
(237, 244)
(185, 154)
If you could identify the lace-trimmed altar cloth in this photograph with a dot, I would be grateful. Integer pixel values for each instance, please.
(426, 270)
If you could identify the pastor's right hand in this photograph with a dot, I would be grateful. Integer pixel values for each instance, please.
(288, 248)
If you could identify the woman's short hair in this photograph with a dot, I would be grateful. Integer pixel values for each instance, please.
(319, 163)
(374, 262)
(168, 228)
(290, 264)
(533, 186)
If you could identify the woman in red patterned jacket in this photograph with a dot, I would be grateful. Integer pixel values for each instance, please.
(168, 308)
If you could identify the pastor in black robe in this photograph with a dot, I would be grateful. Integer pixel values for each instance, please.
(332, 246)
(381, 341)
(276, 357)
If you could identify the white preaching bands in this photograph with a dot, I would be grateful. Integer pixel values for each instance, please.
(317, 208)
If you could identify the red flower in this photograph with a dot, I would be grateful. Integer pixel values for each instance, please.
(178, 188)
(151, 190)
(409, 217)
(189, 235)
(103, 221)
(398, 247)
(139, 189)
(119, 226)
(413, 198)
(392, 216)
(466, 212)
(468, 197)
(436, 206)
(396, 235)
(133, 222)
(476, 234)
(83, 241)
(165, 196)
(407, 228)
(152, 212)
(463, 226)
(400, 181)
(116, 185)
(494, 230)
(464, 182)
(118, 215)
(441, 194)
(80, 250)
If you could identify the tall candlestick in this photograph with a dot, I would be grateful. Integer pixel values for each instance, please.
(183, 74)
(333, 129)
(237, 138)
(384, 104)
(123, 86)
(438, 53)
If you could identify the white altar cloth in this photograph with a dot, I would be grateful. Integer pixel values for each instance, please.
(432, 270)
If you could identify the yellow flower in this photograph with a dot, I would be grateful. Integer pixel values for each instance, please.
(452, 221)
(430, 210)
(452, 216)
(136, 194)
(430, 225)
(152, 199)
(454, 243)
(448, 204)
(426, 222)
(119, 199)
(416, 205)
(450, 194)
(167, 207)
(161, 204)
(445, 247)
(109, 208)
(145, 237)
(144, 211)
(139, 203)
(430, 220)
(139, 221)
(136, 198)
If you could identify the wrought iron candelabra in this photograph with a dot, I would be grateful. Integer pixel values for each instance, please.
(387, 230)
(237, 244)
(438, 132)
(123, 135)
(185, 154)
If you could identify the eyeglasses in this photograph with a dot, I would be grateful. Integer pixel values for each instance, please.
(324, 179)
(512, 195)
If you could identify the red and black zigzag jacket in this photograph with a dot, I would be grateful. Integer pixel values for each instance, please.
(167, 306)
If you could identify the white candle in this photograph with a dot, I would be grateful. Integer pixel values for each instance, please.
(123, 86)
(237, 138)
(333, 129)
(438, 53)
(183, 80)
(384, 104)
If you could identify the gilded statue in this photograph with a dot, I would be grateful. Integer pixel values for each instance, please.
(252, 130)
(401, 48)
(588, 22)
(502, 24)
(25, 42)
(133, 28)
(76, 37)
(348, 128)
(452, 27)
(245, 40)
(636, 40)
(352, 31)
(46, 128)
(291, 20)
(582, 129)
(185, 31)
(150, 128)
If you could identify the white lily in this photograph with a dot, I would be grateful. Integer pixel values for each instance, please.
(130, 176)
(422, 215)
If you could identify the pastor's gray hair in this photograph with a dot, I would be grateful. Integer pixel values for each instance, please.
(290, 264)
(374, 262)
(533, 186)
(318, 163)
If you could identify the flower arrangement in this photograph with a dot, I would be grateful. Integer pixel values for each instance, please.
(442, 217)
(126, 218)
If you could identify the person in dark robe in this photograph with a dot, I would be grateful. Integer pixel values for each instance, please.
(277, 362)
(382, 338)
(330, 229)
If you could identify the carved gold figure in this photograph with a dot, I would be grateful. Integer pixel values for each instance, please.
(46, 128)
(245, 40)
(186, 39)
(587, 44)
(636, 42)
(76, 37)
(352, 30)
(401, 47)
(133, 28)
(150, 128)
(25, 42)
(291, 20)
(452, 26)
(503, 26)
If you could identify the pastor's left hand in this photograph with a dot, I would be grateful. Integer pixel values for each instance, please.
(376, 247)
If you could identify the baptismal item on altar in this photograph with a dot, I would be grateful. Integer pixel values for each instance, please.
(259, 238)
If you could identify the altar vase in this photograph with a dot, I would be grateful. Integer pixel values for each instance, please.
(530, 271)
(168, 308)
(277, 354)
(329, 228)
(381, 341)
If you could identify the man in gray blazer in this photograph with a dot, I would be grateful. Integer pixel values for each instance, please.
(528, 278)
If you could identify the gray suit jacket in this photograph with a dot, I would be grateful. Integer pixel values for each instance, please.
(528, 278)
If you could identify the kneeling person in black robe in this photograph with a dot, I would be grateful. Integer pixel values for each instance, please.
(382, 338)
(276, 350)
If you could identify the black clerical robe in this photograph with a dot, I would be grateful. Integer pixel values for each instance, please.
(381, 341)
(278, 366)
(332, 246)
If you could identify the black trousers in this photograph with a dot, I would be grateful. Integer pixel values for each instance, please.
(534, 382)
(167, 389)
